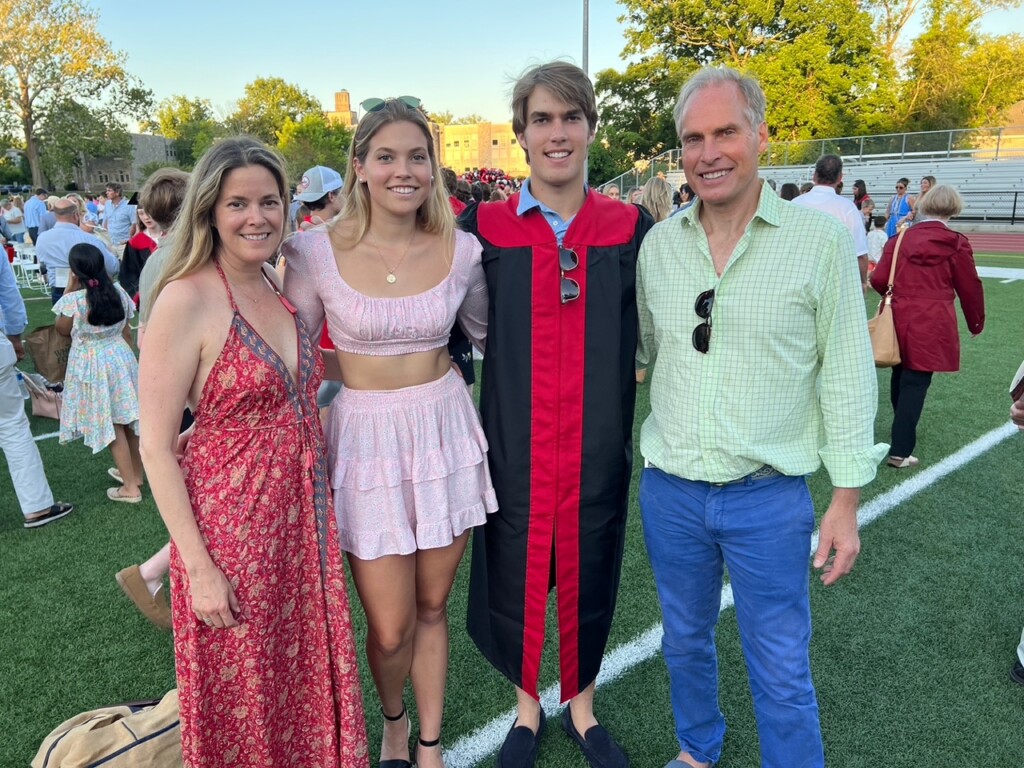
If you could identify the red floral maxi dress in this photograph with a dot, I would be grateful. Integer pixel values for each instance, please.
(282, 688)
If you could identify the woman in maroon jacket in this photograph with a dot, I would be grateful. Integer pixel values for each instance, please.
(935, 265)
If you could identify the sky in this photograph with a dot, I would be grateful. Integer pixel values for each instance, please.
(458, 56)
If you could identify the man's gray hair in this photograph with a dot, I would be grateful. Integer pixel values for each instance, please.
(712, 76)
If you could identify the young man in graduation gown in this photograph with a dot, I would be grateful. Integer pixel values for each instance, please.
(557, 399)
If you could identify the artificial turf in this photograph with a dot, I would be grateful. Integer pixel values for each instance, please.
(911, 652)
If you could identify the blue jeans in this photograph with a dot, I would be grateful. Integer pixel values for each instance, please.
(761, 529)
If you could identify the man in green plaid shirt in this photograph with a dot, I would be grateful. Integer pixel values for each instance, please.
(752, 312)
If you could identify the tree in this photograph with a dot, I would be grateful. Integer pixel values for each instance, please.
(190, 124)
(313, 141)
(51, 54)
(606, 159)
(72, 131)
(268, 102)
(815, 59)
(471, 119)
(891, 16)
(957, 77)
(441, 118)
(152, 167)
(636, 106)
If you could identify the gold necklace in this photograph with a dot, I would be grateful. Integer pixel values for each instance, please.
(238, 288)
(391, 271)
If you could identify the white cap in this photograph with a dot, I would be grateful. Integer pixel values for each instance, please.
(317, 182)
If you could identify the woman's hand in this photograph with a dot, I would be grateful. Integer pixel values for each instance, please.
(213, 600)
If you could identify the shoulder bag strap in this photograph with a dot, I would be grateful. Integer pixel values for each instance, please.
(895, 255)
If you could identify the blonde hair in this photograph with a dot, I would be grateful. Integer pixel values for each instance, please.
(434, 216)
(195, 239)
(82, 210)
(940, 202)
(657, 198)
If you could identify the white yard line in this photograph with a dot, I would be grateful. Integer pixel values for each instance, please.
(1006, 273)
(475, 747)
(47, 436)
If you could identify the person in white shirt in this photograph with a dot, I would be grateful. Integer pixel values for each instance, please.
(15, 221)
(828, 174)
(877, 238)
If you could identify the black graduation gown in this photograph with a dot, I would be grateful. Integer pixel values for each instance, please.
(557, 397)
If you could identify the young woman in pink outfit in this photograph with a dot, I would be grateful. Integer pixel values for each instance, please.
(407, 455)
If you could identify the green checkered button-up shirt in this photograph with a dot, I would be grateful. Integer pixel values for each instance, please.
(788, 380)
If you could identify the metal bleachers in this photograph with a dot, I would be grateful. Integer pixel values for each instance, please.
(985, 165)
(993, 190)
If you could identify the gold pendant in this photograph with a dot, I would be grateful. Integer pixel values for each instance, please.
(391, 277)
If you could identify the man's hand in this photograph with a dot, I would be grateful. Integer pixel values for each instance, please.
(1017, 414)
(19, 349)
(838, 539)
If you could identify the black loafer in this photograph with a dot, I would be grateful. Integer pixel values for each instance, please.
(521, 745)
(599, 748)
(1017, 673)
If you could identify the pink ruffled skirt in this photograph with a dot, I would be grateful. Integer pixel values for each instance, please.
(408, 467)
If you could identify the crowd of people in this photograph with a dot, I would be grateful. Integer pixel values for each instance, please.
(264, 477)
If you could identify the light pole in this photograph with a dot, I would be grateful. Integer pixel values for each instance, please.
(586, 36)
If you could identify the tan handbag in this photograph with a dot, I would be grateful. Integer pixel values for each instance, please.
(45, 402)
(881, 328)
(138, 734)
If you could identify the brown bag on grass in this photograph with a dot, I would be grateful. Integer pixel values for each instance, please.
(881, 328)
(49, 351)
(125, 736)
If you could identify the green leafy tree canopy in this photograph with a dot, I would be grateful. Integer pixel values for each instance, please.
(52, 54)
(313, 140)
(267, 104)
(189, 123)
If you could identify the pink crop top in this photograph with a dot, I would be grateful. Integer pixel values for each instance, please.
(366, 325)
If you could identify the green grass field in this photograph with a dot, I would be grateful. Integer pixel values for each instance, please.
(911, 652)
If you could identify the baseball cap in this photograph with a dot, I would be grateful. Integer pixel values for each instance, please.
(317, 182)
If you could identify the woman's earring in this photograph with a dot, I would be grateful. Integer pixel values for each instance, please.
(431, 179)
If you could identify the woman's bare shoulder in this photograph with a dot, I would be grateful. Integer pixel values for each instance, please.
(194, 296)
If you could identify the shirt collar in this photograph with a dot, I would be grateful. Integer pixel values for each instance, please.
(527, 202)
(769, 209)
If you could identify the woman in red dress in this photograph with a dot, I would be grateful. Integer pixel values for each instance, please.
(264, 651)
(935, 265)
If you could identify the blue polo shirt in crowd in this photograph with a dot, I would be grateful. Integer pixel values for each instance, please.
(34, 208)
(118, 220)
(54, 245)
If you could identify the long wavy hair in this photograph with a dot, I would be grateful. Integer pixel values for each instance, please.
(657, 198)
(434, 216)
(193, 238)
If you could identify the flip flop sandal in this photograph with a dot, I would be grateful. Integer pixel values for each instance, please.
(114, 494)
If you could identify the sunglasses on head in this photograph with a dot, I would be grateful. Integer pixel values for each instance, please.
(702, 333)
(376, 105)
(568, 261)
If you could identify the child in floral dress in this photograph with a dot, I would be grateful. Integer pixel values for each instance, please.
(101, 402)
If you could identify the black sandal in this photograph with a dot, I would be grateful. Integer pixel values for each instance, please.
(427, 744)
(395, 762)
